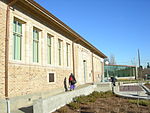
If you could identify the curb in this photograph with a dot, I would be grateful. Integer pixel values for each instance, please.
(133, 97)
(146, 89)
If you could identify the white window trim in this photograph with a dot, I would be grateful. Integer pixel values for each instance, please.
(39, 49)
(61, 57)
(69, 55)
(22, 40)
(52, 50)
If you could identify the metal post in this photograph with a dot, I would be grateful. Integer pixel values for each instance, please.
(107, 69)
(8, 105)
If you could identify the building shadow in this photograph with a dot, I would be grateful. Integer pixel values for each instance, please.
(28, 109)
(65, 84)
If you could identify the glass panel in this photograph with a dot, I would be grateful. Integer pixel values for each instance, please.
(35, 35)
(59, 51)
(35, 45)
(120, 71)
(49, 55)
(14, 26)
(49, 49)
(19, 28)
(35, 51)
(67, 52)
(17, 35)
(15, 46)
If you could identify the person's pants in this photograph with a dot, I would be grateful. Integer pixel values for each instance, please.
(72, 87)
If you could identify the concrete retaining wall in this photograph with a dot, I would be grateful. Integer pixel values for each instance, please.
(55, 102)
(104, 86)
(3, 106)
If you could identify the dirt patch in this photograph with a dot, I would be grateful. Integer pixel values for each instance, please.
(111, 104)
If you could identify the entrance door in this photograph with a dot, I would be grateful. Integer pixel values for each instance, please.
(85, 70)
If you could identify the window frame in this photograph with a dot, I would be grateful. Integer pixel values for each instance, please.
(49, 46)
(48, 77)
(36, 40)
(60, 52)
(17, 36)
(68, 54)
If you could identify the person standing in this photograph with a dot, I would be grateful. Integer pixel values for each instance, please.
(113, 80)
(72, 81)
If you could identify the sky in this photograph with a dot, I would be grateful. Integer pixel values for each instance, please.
(115, 27)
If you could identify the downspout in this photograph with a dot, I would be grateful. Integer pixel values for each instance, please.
(93, 68)
(73, 58)
(7, 53)
(7, 45)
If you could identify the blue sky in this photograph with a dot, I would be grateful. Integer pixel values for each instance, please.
(117, 27)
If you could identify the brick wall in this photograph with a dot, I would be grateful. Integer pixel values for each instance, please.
(25, 79)
(2, 47)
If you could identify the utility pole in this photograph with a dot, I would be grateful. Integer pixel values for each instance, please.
(139, 58)
(139, 70)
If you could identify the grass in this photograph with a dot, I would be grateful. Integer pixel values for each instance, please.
(140, 102)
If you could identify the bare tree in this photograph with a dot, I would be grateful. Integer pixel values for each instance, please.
(133, 62)
(106, 59)
(112, 59)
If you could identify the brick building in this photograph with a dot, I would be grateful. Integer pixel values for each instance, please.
(37, 51)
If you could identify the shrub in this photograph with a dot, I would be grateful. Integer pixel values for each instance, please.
(74, 105)
(92, 97)
(88, 99)
(62, 110)
(141, 102)
(81, 99)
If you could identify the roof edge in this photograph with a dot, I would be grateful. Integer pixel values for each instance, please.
(64, 26)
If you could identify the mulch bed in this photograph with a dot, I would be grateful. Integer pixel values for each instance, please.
(107, 105)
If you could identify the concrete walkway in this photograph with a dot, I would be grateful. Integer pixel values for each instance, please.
(105, 86)
(134, 90)
(29, 109)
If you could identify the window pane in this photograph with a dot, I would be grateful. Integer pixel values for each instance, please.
(35, 35)
(49, 49)
(59, 51)
(14, 26)
(35, 45)
(18, 48)
(67, 53)
(35, 51)
(49, 55)
(14, 46)
(51, 77)
(19, 28)
(17, 35)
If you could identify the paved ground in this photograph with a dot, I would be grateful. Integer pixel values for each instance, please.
(130, 88)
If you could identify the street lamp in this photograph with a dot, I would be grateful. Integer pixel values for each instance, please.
(107, 69)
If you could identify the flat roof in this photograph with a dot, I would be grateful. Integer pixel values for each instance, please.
(120, 65)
